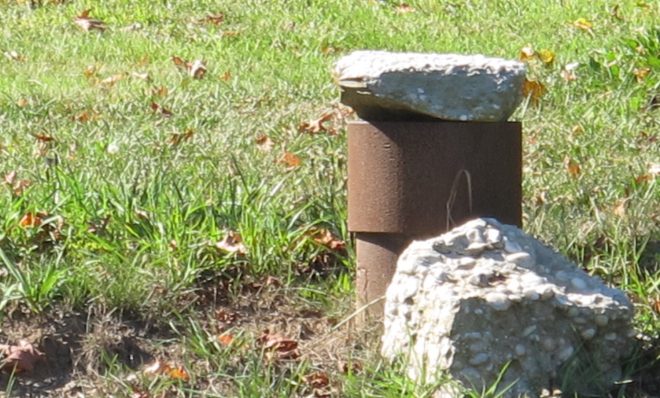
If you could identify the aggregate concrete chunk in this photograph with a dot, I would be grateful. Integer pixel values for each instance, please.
(381, 85)
(486, 294)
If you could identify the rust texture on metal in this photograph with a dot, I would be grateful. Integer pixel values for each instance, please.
(402, 175)
(377, 257)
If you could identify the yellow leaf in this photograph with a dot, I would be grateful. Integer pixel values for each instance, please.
(641, 73)
(534, 90)
(583, 24)
(546, 56)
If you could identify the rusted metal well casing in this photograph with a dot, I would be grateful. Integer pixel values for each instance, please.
(413, 180)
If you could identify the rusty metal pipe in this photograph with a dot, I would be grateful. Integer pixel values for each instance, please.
(415, 179)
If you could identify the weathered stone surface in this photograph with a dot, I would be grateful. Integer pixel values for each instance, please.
(381, 85)
(486, 294)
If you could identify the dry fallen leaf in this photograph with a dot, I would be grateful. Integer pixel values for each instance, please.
(527, 53)
(141, 75)
(196, 69)
(232, 243)
(226, 76)
(225, 316)
(326, 238)
(90, 71)
(534, 90)
(42, 137)
(157, 108)
(225, 339)
(620, 208)
(88, 24)
(159, 367)
(20, 358)
(17, 186)
(264, 143)
(568, 72)
(290, 160)
(111, 80)
(159, 91)
(572, 167)
(278, 347)
(214, 19)
(317, 379)
(583, 24)
(546, 56)
(404, 8)
(655, 305)
(13, 56)
(31, 220)
(319, 124)
(22, 102)
(177, 138)
(641, 73)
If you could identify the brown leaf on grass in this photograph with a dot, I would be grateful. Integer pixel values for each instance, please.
(22, 102)
(353, 367)
(403, 8)
(196, 69)
(174, 372)
(317, 379)
(619, 208)
(88, 24)
(31, 220)
(214, 19)
(43, 137)
(86, 116)
(655, 305)
(534, 90)
(225, 339)
(159, 91)
(17, 186)
(572, 167)
(225, 316)
(641, 73)
(110, 81)
(264, 143)
(583, 24)
(158, 109)
(318, 125)
(290, 160)
(278, 347)
(232, 243)
(20, 358)
(177, 138)
(324, 237)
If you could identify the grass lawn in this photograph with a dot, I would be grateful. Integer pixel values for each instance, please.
(170, 228)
